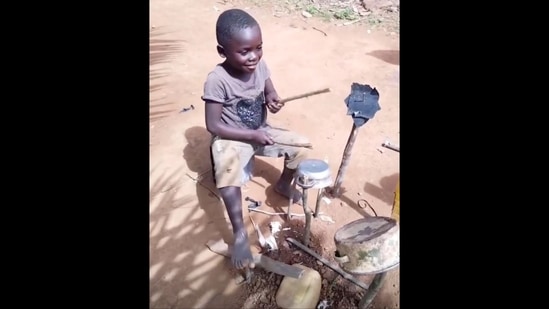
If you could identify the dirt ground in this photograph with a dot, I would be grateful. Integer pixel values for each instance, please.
(185, 215)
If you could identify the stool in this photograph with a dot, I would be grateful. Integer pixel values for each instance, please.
(310, 174)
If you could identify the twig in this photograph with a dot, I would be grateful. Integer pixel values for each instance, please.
(327, 263)
(320, 31)
(207, 188)
(353, 21)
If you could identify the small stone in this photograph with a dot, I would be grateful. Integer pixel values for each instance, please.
(324, 282)
(319, 263)
(306, 14)
(264, 299)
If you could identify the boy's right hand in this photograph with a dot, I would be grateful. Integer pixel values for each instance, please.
(262, 138)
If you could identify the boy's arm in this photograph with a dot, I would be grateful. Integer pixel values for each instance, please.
(271, 97)
(215, 126)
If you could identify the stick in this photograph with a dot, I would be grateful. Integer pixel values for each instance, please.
(222, 248)
(305, 145)
(320, 31)
(331, 265)
(198, 182)
(301, 96)
(335, 191)
(387, 144)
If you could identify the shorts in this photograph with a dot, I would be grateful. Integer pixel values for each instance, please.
(229, 157)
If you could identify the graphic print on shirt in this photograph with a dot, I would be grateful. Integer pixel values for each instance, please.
(250, 111)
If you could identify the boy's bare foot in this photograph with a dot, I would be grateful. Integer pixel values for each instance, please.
(241, 256)
(285, 191)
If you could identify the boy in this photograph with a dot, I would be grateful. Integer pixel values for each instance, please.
(237, 94)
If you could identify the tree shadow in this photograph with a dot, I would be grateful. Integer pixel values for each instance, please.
(160, 51)
(389, 56)
(180, 274)
(386, 189)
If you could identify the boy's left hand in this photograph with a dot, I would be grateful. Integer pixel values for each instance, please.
(272, 100)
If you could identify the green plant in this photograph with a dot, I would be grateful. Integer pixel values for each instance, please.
(346, 14)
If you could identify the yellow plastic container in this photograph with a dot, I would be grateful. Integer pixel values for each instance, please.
(302, 293)
(396, 203)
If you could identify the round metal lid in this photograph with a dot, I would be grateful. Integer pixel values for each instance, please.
(364, 229)
(314, 169)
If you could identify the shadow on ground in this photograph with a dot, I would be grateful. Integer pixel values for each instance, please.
(385, 191)
(183, 273)
(160, 51)
(389, 56)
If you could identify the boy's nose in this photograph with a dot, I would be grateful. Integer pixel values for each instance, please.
(253, 56)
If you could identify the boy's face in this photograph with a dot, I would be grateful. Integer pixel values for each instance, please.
(244, 50)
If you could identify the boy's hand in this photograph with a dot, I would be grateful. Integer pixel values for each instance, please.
(272, 100)
(262, 138)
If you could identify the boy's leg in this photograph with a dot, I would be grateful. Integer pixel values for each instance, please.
(292, 157)
(229, 158)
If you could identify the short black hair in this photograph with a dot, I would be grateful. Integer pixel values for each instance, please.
(231, 22)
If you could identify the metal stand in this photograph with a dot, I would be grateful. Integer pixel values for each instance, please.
(310, 174)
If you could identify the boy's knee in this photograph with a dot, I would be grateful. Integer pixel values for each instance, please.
(299, 155)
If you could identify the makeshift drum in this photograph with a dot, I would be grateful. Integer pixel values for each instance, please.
(368, 246)
(312, 174)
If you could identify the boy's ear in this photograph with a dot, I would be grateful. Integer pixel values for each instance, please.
(221, 51)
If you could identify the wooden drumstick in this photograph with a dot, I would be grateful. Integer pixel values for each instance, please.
(308, 94)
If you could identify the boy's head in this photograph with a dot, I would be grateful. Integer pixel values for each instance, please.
(239, 40)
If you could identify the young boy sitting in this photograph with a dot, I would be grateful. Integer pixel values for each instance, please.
(237, 94)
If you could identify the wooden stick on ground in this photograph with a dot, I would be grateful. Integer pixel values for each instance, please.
(222, 248)
(336, 268)
(197, 180)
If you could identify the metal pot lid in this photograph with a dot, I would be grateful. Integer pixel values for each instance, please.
(314, 169)
(364, 229)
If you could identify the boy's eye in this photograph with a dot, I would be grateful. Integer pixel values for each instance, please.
(260, 47)
(244, 53)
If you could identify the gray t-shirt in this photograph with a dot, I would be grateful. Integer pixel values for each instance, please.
(243, 101)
